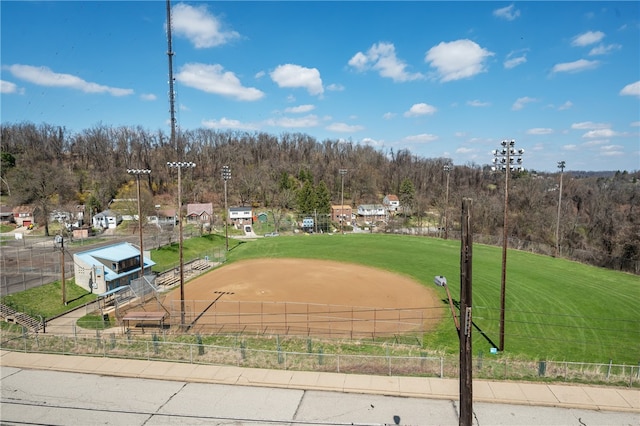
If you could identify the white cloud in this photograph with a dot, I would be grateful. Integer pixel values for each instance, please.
(635, 124)
(599, 133)
(148, 97)
(575, 66)
(585, 39)
(588, 125)
(199, 26)
(8, 87)
(570, 147)
(612, 150)
(213, 79)
(382, 58)
(603, 50)
(371, 142)
(521, 102)
(539, 131)
(290, 75)
(514, 62)
(423, 137)
(344, 128)
(457, 59)
(509, 13)
(227, 123)
(565, 106)
(300, 109)
(43, 76)
(477, 103)
(632, 89)
(335, 87)
(465, 150)
(287, 122)
(420, 109)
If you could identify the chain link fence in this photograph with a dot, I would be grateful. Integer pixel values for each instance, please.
(316, 355)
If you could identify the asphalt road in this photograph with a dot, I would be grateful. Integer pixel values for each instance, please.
(64, 398)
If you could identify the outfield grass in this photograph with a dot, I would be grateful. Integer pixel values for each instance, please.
(555, 309)
(166, 257)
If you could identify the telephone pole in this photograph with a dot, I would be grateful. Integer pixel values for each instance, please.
(466, 325)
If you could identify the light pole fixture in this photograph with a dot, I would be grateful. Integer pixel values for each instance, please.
(226, 175)
(137, 173)
(342, 173)
(561, 165)
(447, 169)
(506, 159)
(180, 165)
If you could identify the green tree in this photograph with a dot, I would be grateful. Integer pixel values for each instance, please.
(407, 195)
(306, 198)
(323, 199)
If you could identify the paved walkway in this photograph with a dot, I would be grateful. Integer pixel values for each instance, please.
(519, 393)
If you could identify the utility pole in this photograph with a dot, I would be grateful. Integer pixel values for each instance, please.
(561, 165)
(466, 325)
(447, 169)
(60, 240)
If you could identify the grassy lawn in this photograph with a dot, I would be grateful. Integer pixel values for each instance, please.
(46, 300)
(555, 309)
(167, 257)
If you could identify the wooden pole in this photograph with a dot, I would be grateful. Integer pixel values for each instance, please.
(466, 388)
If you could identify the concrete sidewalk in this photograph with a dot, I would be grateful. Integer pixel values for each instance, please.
(518, 393)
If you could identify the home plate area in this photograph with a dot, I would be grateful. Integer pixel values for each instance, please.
(304, 297)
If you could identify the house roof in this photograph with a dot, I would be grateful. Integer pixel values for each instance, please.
(107, 213)
(392, 197)
(112, 253)
(199, 209)
(240, 209)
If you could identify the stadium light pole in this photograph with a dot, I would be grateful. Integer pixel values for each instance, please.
(226, 175)
(137, 173)
(561, 165)
(447, 169)
(507, 159)
(180, 165)
(342, 173)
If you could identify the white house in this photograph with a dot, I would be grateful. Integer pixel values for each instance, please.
(371, 212)
(107, 219)
(391, 202)
(241, 215)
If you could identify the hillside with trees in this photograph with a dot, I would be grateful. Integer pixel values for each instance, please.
(50, 168)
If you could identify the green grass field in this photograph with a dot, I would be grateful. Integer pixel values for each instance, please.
(555, 309)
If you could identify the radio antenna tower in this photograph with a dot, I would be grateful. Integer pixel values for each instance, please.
(172, 99)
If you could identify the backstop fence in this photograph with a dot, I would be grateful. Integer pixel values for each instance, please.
(299, 319)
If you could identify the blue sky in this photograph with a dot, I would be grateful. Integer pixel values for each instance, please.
(442, 79)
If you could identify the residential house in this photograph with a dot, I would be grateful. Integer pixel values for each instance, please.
(372, 212)
(106, 268)
(391, 202)
(107, 219)
(6, 215)
(23, 215)
(341, 213)
(200, 213)
(239, 216)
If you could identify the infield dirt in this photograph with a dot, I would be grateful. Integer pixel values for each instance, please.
(297, 283)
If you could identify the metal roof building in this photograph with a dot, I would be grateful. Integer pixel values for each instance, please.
(106, 268)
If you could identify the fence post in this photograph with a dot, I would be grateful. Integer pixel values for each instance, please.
(442, 367)
(609, 369)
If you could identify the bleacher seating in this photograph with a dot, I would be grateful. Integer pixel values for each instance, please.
(11, 315)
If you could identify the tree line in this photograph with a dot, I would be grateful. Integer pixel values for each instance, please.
(51, 168)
